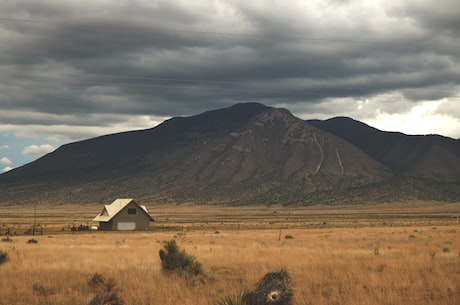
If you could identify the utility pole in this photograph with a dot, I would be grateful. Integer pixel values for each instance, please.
(35, 220)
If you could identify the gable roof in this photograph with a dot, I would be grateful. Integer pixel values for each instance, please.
(115, 207)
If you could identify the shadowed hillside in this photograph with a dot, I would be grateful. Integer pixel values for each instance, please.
(244, 154)
(424, 156)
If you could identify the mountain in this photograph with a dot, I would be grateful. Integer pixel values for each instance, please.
(424, 156)
(244, 154)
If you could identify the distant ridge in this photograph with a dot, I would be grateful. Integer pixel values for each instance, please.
(424, 156)
(244, 154)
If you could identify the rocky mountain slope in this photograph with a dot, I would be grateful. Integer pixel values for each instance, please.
(424, 156)
(244, 154)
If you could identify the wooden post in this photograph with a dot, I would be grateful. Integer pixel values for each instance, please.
(35, 220)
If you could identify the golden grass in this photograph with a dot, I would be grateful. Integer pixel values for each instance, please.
(60, 218)
(332, 260)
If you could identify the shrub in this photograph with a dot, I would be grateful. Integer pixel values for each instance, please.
(108, 294)
(3, 257)
(275, 288)
(7, 239)
(96, 281)
(177, 260)
(376, 251)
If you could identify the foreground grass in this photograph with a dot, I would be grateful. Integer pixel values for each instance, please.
(330, 265)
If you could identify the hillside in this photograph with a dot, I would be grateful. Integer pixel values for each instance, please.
(424, 156)
(244, 154)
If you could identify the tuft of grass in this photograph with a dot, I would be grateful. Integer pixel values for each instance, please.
(96, 281)
(212, 276)
(109, 294)
(234, 299)
(3, 257)
(7, 239)
(39, 289)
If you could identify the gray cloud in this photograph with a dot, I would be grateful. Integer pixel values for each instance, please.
(99, 65)
(433, 16)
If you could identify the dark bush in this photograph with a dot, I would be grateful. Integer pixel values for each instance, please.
(275, 288)
(177, 260)
(3, 257)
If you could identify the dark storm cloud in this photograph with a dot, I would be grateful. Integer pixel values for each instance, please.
(436, 17)
(167, 58)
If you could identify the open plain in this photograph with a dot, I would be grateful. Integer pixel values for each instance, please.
(406, 253)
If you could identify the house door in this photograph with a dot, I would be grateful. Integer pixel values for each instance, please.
(126, 226)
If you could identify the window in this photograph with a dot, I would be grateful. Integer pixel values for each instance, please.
(132, 211)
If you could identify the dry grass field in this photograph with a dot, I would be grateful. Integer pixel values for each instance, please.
(382, 254)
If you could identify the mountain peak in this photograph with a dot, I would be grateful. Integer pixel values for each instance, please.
(244, 154)
(214, 120)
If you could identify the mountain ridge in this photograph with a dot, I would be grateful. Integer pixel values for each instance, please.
(243, 154)
(398, 151)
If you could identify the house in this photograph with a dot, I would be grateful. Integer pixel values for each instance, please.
(124, 215)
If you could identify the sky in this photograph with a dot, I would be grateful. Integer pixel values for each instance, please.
(72, 70)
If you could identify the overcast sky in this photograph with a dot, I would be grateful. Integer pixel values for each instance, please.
(72, 70)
